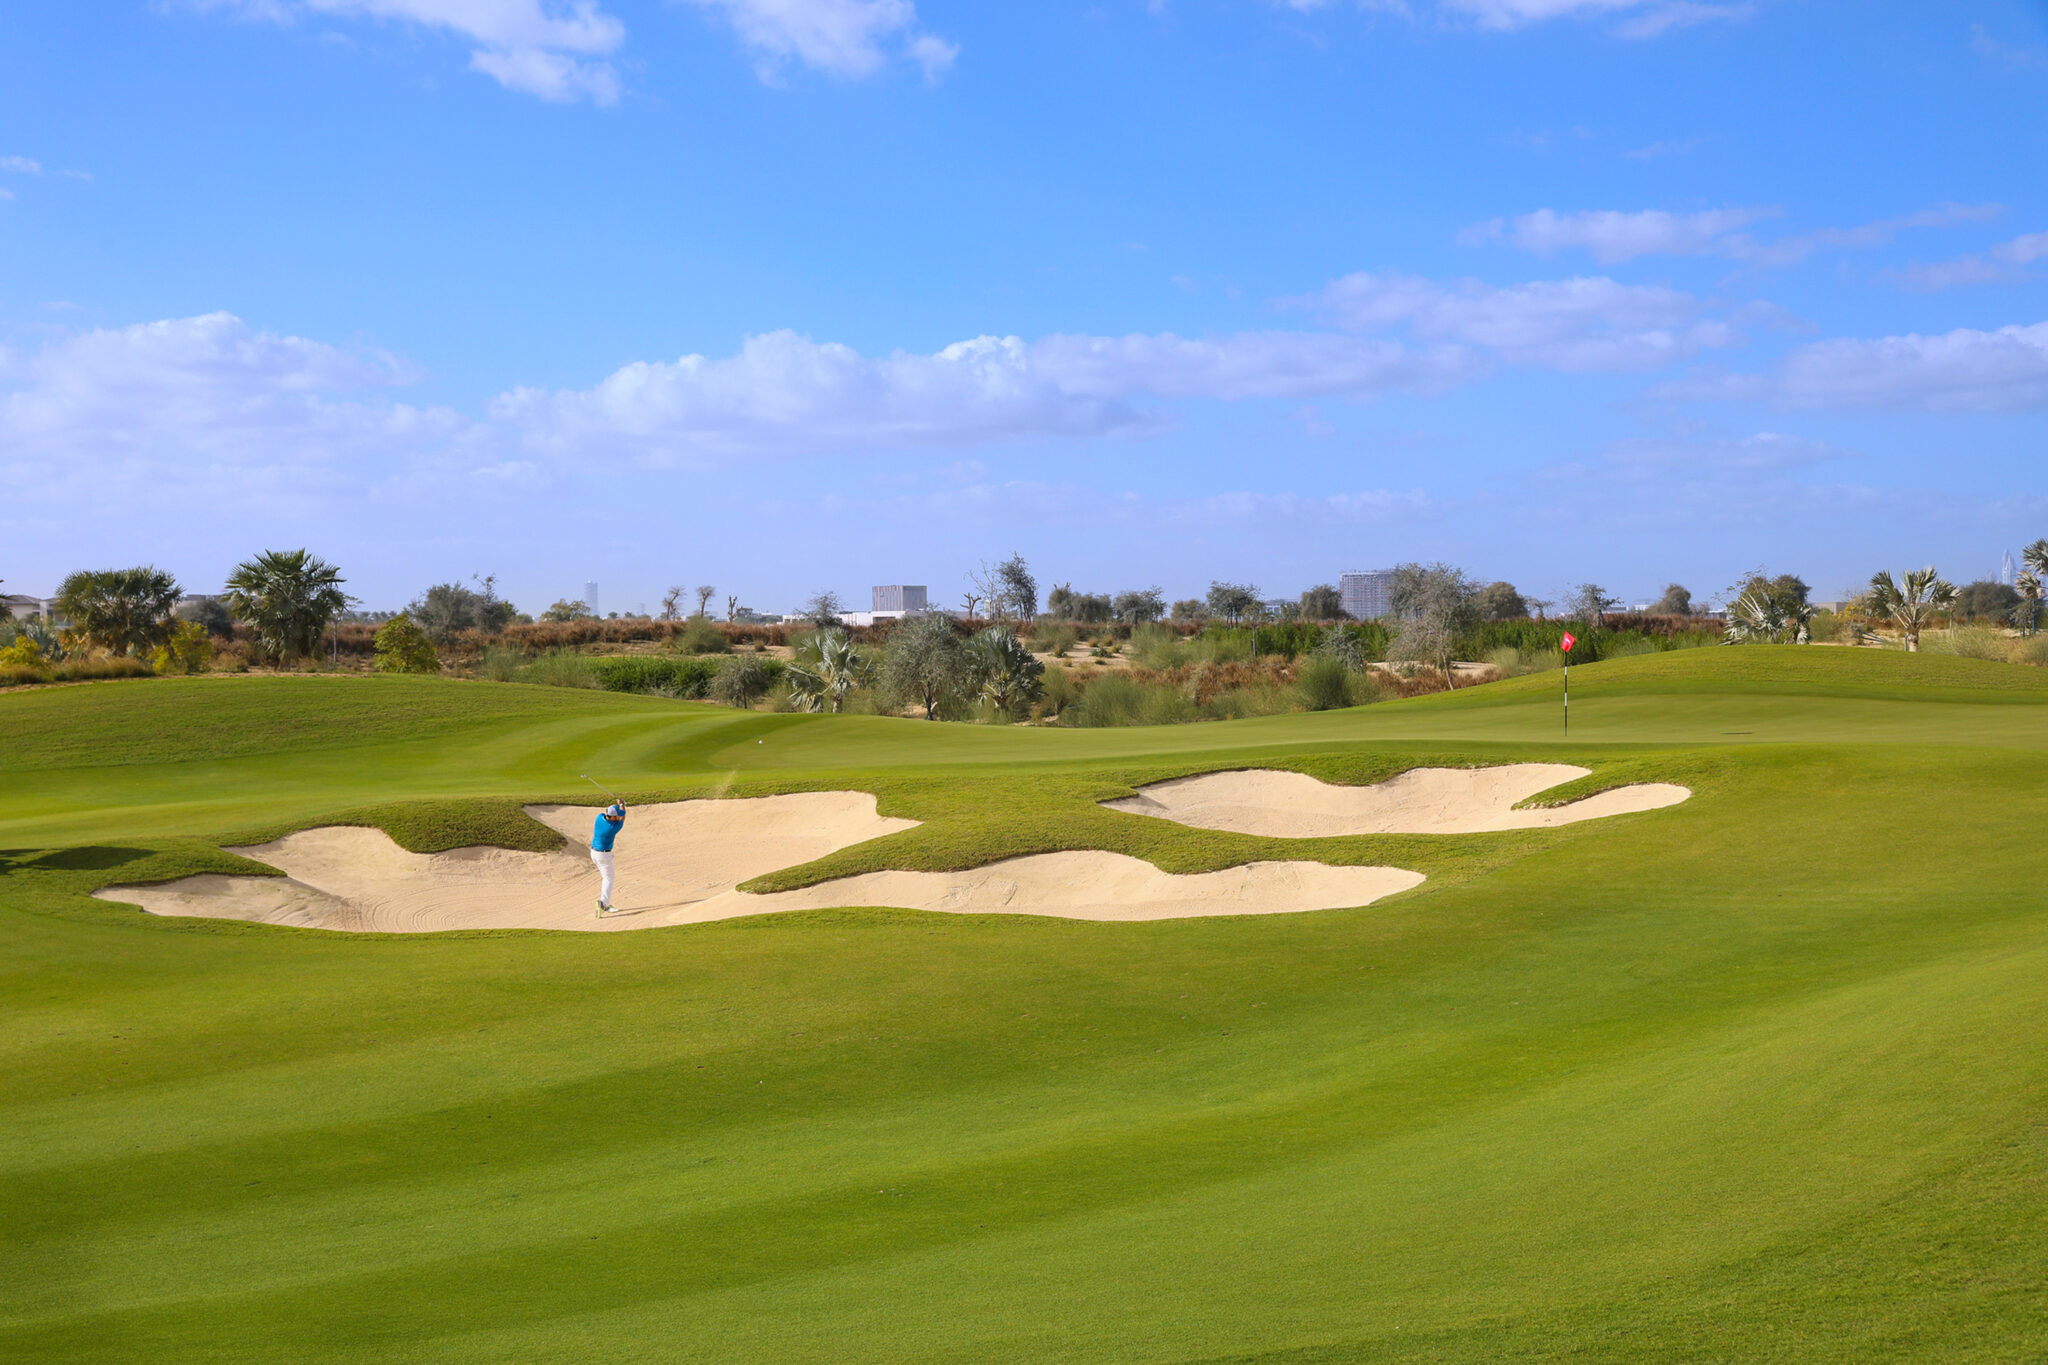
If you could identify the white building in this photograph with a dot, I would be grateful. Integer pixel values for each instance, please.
(1365, 592)
(891, 602)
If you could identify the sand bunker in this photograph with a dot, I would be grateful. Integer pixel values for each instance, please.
(1422, 801)
(679, 863)
(1106, 886)
(671, 859)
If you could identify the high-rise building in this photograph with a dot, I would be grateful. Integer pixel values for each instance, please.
(1365, 592)
(590, 597)
(900, 599)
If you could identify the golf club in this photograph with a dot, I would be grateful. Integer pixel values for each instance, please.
(603, 788)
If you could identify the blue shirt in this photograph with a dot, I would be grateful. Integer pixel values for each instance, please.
(607, 829)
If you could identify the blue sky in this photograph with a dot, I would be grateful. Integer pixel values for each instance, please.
(788, 294)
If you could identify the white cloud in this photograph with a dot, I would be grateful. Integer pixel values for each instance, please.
(840, 37)
(783, 393)
(1658, 20)
(2005, 54)
(1640, 18)
(1612, 236)
(205, 400)
(1966, 370)
(550, 48)
(1375, 506)
(550, 75)
(2003, 262)
(21, 165)
(1655, 150)
(1761, 452)
(1578, 324)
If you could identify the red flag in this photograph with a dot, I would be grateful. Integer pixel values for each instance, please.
(1569, 640)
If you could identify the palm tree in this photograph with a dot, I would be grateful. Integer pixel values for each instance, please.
(123, 611)
(1763, 617)
(2036, 556)
(1006, 673)
(826, 670)
(2026, 613)
(1912, 600)
(287, 597)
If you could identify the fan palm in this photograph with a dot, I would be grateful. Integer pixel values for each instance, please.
(2026, 613)
(1761, 616)
(287, 597)
(1912, 600)
(827, 669)
(1006, 674)
(123, 611)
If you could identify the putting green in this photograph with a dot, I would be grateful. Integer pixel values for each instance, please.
(1758, 1076)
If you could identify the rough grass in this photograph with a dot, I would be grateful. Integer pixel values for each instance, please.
(1756, 1077)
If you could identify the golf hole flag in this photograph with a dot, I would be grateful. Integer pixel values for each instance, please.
(1566, 645)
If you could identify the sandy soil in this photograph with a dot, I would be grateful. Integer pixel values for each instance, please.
(1422, 801)
(679, 864)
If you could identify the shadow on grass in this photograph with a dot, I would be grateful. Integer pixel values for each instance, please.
(91, 858)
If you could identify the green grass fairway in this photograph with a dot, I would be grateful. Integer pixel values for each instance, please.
(1759, 1077)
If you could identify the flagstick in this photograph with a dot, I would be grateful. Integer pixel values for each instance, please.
(1567, 695)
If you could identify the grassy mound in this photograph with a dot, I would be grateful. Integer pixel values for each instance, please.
(1754, 1077)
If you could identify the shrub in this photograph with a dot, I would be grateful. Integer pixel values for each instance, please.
(1157, 647)
(93, 670)
(654, 673)
(212, 614)
(1506, 661)
(1119, 699)
(1061, 691)
(1970, 642)
(188, 650)
(447, 609)
(744, 679)
(20, 675)
(500, 663)
(1242, 703)
(23, 653)
(700, 636)
(403, 647)
(1054, 638)
(1222, 645)
(1286, 639)
(560, 668)
(1322, 682)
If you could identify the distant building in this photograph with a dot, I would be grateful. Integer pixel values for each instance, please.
(899, 599)
(1277, 606)
(21, 608)
(1365, 593)
(892, 602)
(590, 597)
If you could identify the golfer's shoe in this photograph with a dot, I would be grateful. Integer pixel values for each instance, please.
(602, 909)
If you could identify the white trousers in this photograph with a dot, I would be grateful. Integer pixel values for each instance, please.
(603, 860)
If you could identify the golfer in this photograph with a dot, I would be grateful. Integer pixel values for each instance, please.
(601, 835)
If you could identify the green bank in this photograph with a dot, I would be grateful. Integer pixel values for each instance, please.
(1756, 1077)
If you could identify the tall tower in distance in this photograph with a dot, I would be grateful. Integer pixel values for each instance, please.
(590, 597)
